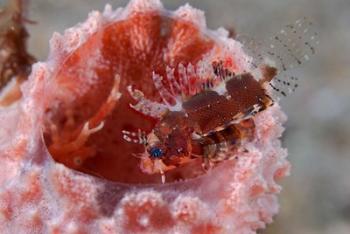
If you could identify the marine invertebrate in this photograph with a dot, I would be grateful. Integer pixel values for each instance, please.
(202, 122)
(71, 116)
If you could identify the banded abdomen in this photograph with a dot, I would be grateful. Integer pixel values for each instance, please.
(215, 142)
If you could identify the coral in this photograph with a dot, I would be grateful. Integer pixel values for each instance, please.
(65, 167)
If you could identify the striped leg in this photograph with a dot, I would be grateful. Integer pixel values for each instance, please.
(210, 149)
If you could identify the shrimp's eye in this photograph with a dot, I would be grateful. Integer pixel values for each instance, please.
(156, 152)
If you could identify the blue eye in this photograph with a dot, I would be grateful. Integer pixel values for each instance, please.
(155, 152)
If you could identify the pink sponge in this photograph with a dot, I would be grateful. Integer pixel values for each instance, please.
(65, 167)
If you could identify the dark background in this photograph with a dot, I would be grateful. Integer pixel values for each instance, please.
(316, 197)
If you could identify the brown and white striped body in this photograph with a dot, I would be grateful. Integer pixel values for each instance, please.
(200, 117)
(206, 123)
(211, 120)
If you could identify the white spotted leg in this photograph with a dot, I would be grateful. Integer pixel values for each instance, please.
(138, 137)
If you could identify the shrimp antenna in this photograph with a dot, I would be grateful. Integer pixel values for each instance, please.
(139, 156)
